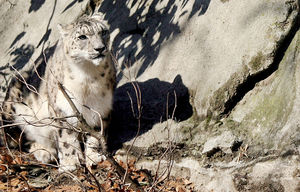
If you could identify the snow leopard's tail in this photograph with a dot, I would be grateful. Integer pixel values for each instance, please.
(14, 94)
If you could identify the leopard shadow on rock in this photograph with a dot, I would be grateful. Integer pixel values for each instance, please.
(157, 103)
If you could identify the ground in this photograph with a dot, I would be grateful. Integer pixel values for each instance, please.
(19, 171)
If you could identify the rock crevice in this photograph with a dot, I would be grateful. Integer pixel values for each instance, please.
(240, 83)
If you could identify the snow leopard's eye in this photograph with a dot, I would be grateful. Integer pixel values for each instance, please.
(82, 37)
(104, 33)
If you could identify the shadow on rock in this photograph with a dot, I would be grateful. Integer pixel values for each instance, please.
(45, 37)
(158, 99)
(22, 55)
(71, 5)
(35, 5)
(40, 66)
(17, 38)
(143, 27)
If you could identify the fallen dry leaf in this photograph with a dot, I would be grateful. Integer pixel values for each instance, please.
(6, 159)
(2, 168)
(105, 164)
(17, 160)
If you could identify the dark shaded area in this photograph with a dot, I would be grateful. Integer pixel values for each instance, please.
(158, 102)
(45, 37)
(212, 152)
(35, 5)
(18, 37)
(22, 55)
(4, 74)
(236, 145)
(48, 30)
(71, 5)
(40, 68)
(201, 5)
(138, 26)
(243, 88)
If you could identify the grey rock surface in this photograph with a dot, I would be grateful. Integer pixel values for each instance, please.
(224, 142)
(262, 174)
(269, 111)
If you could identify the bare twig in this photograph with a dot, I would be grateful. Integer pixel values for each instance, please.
(41, 149)
(26, 182)
(100, 188)
(71, 175)
(242, 153)
(23, 80)
(4, 136)
(158, 178)
(138, 95)
(85, 127)
(133, 184)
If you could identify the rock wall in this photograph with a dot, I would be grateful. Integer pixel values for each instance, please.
(237, 62)
(209, 87)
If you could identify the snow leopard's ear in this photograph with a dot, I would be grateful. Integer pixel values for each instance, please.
(63, 30)
(99, 17)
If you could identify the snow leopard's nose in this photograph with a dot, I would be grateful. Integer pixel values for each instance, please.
(100, 50)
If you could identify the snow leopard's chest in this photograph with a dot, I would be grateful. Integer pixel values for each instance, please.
(91, 97)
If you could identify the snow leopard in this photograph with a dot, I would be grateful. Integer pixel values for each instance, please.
(83, 68)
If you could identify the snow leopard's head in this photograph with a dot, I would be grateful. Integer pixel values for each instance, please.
(87, 39)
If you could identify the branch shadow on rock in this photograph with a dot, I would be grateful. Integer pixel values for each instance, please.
(39, 69)
(35, 5)
(71, 5)
(17, 38)
(158, 102)
(142, 28)
(22, 55)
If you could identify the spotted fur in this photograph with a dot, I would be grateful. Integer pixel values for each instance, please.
(82, 63)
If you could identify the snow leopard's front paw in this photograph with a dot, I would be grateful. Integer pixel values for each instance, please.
(92, 157)
(43, 154)
(67, 168)
(69, 161)
(69, 164)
